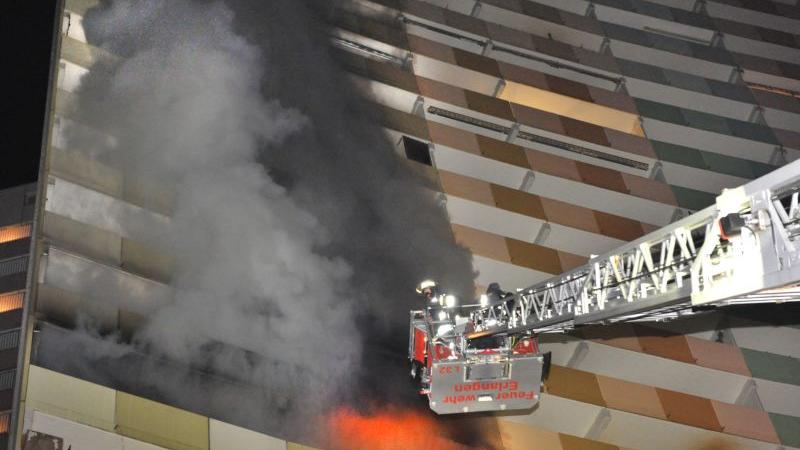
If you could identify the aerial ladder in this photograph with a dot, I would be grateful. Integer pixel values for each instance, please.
(744, 249)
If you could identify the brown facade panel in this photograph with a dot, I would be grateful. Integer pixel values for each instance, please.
(689, 410)
(602, 177)
(517, 436)
(499, 33)
(431, 49)
(650, 189)
(518, 202)
(477, 62)
(467, 188)
(584, 131)
(482, 243)
(553, 165)
(404, 122)
(538, 119)
(616, 100)
(570, 261)
(570, 215)
(618, 227)
(417, 8)
(533, 256)
(569, 88)
(453, 137)
(465, 23)
(574, 384)
(442, 91)
(511, 5)
(489, 105)
(392, 75)
(787, 138)
(503, 151)
(523, 75)
(569, 442)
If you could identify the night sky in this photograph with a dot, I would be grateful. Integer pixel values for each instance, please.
(27, 37)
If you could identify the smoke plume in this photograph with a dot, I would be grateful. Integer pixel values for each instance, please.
(296, 233)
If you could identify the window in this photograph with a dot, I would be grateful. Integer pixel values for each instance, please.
(417, 151)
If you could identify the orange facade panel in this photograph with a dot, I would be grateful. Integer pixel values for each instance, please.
(664, 344)
(689, 409)
(746, 422)
(716, 355)
(631, 397)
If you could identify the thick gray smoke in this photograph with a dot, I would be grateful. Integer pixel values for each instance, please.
(297, 234)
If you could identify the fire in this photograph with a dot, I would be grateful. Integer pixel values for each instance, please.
(386, 430)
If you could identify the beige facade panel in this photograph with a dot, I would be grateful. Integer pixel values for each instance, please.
(296, 446)
(224, 436)
(60, 306)
(144, 260)
(80, 6)
(160, 424)
(87, 240)
(71, 398)
(76, 166)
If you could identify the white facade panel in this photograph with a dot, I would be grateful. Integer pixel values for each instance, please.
(649, 370)
(699, 179)
(743, 15)
(509, 276)
(668, 60)
(525, 228)
(556, 188)
(103, 211)
(101, 283)
(713, 142)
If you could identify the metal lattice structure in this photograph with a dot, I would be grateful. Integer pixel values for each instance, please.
(674, 271)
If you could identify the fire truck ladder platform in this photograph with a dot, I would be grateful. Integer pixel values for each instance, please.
(744, 249)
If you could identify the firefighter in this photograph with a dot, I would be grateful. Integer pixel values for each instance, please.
(430, 290)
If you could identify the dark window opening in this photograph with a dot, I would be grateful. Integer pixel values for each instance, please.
(417, 151)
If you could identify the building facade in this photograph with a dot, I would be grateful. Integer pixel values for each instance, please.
(554, 130)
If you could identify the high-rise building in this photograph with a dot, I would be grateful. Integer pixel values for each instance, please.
(553, 130)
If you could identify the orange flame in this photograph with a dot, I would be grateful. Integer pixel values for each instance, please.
(386, 430)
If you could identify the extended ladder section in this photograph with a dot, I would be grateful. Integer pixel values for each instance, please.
(743, 249)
